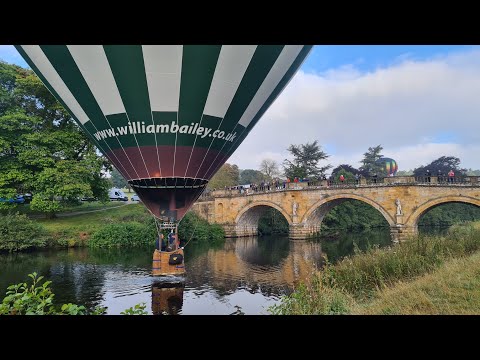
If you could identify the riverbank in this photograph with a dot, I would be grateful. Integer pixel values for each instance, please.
(377, 276)
(123, 225)
(453, 289)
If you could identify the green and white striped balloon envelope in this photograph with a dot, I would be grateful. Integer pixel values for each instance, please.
(166, 116)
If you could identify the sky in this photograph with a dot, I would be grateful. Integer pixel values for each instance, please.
(418, 102)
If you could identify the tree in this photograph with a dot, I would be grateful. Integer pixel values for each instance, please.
(269, 168)
(228, 175)
(347, 168)
(369, 162)
(249, 176)
(443, 164)
(118, 180)
(42, 150)
(349, 177)
(305, 162)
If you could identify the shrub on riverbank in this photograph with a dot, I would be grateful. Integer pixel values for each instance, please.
(18, 233)
(199, 230)
(361, 275)
(129, 234)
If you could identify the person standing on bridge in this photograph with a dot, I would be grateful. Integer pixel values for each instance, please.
(427, 176)
(451, 176)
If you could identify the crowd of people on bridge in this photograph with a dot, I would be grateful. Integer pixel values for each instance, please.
(441, 177)
(323, 181)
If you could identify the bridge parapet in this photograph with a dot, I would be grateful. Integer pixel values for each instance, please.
(401, 204)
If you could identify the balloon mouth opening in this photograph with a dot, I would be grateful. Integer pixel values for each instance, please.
(169, 183)
(168, 199)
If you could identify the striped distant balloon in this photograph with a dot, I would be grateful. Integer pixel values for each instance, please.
(166, 116)
(389, 165)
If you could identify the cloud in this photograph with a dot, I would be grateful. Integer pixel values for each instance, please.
(412, 108)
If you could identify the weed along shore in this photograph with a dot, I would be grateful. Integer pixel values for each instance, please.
(425, 275)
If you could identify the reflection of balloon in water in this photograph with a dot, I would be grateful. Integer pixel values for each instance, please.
(166, 116)
(390, 165)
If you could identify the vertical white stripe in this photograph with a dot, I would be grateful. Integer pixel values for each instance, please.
(93, 64)
(36, 54)
(278, 70)
(231, 66)
(163, 67)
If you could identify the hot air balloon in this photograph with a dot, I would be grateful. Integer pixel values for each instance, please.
(389, 165)
(166, 116)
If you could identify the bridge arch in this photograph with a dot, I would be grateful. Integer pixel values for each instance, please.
(314, 216)
(415, 216)
(249, 216)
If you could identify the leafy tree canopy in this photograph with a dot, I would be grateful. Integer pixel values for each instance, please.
(369, 162)
(42, 150)
(118, 180)
(305, 161)
(228, 175)
(345, 167)
(249, 176)
(443, 164)
(269, 168)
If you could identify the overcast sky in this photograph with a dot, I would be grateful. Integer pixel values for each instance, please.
(418, 102)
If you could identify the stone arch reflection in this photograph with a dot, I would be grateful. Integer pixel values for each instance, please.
(239, 265)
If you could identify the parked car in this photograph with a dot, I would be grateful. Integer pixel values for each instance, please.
(117, 194)
(19, 199)
(135, 198)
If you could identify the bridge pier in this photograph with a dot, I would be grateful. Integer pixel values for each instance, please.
(302, 231)
(402, 232)
(234, 231)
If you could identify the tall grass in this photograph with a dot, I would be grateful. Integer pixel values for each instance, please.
(361, 275)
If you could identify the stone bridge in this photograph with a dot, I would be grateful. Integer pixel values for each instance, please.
(400, 200)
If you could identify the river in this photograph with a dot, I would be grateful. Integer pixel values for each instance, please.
(240, 276)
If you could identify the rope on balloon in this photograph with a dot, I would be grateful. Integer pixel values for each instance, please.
(159, 227)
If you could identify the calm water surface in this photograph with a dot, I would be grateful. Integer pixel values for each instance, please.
(241, 276)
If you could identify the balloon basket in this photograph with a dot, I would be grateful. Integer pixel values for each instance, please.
(162, 263)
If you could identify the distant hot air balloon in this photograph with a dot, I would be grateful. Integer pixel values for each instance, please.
(389, 165)
(166, 116)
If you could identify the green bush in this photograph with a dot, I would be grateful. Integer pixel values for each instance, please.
(138, 309)
(129, 234)
(18, 232)
(36, 299)
(199, 230)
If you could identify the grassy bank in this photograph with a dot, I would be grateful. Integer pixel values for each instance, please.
(130, 225)
(360, 278)
(76, 230)
(86, 206)
(451, 289)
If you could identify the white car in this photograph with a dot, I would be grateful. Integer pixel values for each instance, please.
(135, 198)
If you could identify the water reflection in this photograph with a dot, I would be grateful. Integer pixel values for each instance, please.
(240, 276)
(167, 298)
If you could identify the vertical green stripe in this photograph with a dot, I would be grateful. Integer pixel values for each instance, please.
(54, 93)
(198, 67)
(258, 69)
(126, 62)
(128, 68)
(63, 62)
(281, 85)
(241, 131)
